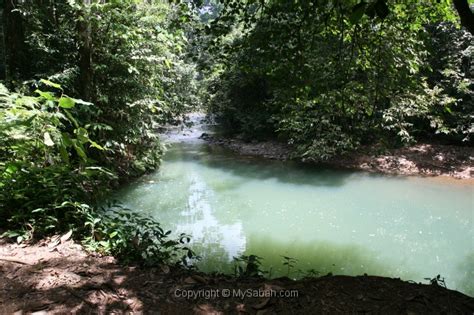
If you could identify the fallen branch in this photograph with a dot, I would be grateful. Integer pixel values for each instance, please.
(15, 261)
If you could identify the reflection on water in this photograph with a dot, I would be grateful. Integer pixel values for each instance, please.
(331, 221)
(199, 221)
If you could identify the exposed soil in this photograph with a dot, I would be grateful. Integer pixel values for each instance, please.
(57, 276)
(420, 159)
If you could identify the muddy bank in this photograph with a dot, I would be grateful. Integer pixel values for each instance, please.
(419, 159)
(59, 277)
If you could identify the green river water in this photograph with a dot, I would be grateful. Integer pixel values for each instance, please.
(330, 220)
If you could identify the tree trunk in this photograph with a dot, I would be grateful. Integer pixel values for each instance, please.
(14, 38)
(85, 55)
(465, 13)
(3, 59)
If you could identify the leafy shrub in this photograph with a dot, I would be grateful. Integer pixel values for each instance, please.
(329, 79)
(140, 77)
(44, 160)
(133, 238)
(48, 182)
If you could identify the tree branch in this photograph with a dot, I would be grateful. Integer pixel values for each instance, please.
(465, 13)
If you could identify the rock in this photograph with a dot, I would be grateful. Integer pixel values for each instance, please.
(204, 136)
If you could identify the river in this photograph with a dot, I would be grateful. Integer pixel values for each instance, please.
(344, 222)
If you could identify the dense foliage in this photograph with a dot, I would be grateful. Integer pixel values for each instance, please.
(79, 111)
(44, 163)
(128, 59)
(86, 85)
(329, 76)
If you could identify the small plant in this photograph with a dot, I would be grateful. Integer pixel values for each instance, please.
(248, 266)
(290, 263)
(438, 280)
(19, 235)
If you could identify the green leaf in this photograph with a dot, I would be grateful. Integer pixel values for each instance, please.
(66, 140)
(80, 150)
(29, 120)
(46, 95)
(96, 145)
(71, 119)
(102, 170)
(66, 102)
(82, 135)
(51, 84)
(11, 169)
(63, 152)
(10, 234)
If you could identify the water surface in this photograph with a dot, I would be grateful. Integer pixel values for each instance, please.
(331, 221)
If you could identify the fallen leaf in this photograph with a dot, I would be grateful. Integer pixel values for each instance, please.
(55, 240)
(66, 237)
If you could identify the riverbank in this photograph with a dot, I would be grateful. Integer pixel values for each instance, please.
(420, 159)
(59, 277)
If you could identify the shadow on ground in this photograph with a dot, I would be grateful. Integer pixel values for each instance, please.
(63, 279)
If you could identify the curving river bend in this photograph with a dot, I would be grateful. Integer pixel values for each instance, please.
(335, 221)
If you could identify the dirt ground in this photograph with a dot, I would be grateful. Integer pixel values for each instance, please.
(56, 277)
(420, 159)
